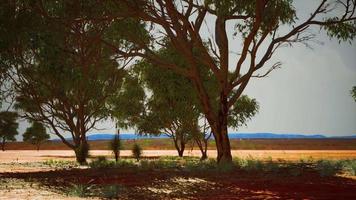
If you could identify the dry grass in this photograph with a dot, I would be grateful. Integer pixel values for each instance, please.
(22, 156)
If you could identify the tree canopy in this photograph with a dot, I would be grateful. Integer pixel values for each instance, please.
(36, 134)
(8, 127)
(61, 69)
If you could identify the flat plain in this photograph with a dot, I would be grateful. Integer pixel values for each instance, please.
(268, 169)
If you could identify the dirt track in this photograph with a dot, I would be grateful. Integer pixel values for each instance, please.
(33, 156)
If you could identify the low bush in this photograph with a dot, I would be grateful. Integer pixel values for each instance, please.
(136, 151)
(349, 167)
(78, 190)
(101, 162)
(60, 163)
(328, 167)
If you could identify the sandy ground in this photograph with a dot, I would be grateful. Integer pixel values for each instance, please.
(12, 162)
(35, 156)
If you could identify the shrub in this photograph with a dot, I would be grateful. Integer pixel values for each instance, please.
(78, 190)
(136, 151)
(101, 162)
(60, 163)
(328, 167)
(349, 167)
(115, 146)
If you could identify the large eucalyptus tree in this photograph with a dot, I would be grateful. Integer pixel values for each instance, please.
(243, 36)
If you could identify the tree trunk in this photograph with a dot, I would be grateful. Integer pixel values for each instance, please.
(81, 151)
(180, 148)
(38, 147)
(221, 134)
(117, 152)
(116, 156)
(204, 155)
(203, 146)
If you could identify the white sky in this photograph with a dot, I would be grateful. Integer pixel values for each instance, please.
(310, 94)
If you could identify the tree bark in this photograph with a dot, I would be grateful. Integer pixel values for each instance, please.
(180, 148)
(203, 146)
(81, 151)
(221, 134)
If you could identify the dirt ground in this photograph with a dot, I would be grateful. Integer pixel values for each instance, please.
(292, 155)
(18, 169)
(156, 185)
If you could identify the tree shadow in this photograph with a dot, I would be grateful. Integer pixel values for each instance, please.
(170, 183)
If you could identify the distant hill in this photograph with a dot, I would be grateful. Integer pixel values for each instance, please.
(131, 136)
(122, 136)
(270, 136)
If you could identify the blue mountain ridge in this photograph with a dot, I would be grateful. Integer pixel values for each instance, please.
(130, 136)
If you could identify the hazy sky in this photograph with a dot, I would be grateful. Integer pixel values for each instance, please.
(310, 94)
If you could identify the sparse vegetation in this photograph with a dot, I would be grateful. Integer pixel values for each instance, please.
(137, 151)
(78, 190)
(328, 167)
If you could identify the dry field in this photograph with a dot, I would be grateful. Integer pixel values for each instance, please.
(22, 156)
(22, 176)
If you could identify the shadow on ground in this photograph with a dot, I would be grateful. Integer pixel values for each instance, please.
(170, 184)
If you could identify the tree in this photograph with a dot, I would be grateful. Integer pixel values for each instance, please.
(36, 135)
(8, 127)
(260, 26)
(62, 73)
(353, 92)
(171, 108)
(115, 146)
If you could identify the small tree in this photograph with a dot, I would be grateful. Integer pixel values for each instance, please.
(8, 127)
(36, 135)
(137, 151)
(115, 146)
(353, 92)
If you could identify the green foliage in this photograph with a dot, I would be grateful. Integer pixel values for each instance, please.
(78, 190)
(60, 163)
(8, 127)
(328, 167)
(242, 111)
(349, 167)
(101, 162)
(127, 104)
(353, 92)
(136, 151)
(345, 31)
(36, 134)
(63, 69)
